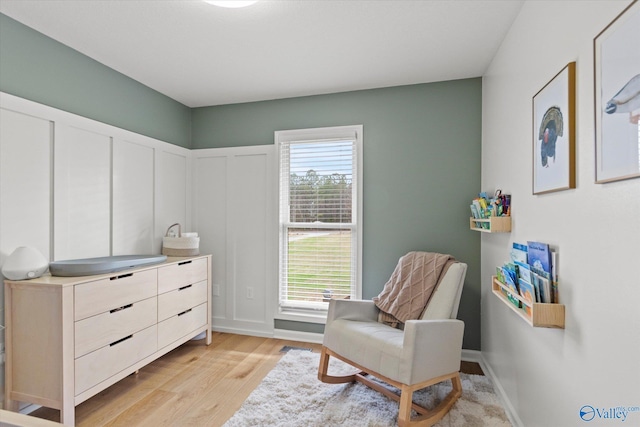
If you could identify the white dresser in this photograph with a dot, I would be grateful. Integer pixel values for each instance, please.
(69, 338)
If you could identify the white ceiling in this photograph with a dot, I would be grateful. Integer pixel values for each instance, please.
(200, 55)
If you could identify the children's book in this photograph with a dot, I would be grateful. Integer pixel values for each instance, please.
(524, 270)
(539, 256)
(554, 276)
(519, 253)
(527, 292)
(476, 215)
(536, 286)
(511, 280)
(544, 286)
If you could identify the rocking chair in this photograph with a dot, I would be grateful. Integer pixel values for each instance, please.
(427, 352)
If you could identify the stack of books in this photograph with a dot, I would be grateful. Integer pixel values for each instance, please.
(532, 274)
(486, 207)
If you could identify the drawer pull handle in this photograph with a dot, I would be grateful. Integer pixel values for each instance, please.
(184, 262)
(184, 287)
(184, 312)
(120, 340)
(120, 308)
(122, 276)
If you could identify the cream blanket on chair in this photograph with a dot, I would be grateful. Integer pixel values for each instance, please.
(407, 293)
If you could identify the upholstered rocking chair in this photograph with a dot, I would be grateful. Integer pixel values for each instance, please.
(426, 352)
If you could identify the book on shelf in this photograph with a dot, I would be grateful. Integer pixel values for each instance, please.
(554, 276)
(539, 256)
(485, 207)
(519, 252)
(475, 214)
(536, 286)
(523, 270)
(543, 285)
(481, 211)
(511, 282)
(527, 292)
(482, 200)
(540, 261)
(532, 272)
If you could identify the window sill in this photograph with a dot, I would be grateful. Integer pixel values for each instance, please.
(319, 317)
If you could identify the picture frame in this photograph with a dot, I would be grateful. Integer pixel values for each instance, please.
(554, 145)
(616, 60)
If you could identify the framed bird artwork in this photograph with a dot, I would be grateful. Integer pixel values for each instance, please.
(617, 97)
(554, 145)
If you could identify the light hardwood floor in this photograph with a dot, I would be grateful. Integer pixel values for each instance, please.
(194, 385)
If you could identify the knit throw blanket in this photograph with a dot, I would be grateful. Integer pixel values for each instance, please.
(407, 293)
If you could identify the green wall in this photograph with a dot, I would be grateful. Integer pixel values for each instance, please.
(36, 67)
(422, 146)
(422, 151)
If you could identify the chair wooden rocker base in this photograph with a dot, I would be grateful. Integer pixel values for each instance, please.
(425, 418)
(425, 352)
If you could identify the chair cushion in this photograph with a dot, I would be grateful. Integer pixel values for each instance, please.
(371, 344)
(444, 302)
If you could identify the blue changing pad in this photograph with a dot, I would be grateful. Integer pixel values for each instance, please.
(102, 265)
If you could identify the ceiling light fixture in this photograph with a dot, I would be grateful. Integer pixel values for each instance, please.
(231, 3)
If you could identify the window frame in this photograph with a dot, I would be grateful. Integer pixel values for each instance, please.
(351, 132)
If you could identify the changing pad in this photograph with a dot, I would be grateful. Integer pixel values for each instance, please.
(101, 265)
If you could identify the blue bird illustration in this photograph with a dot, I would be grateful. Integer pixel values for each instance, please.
(627, 100)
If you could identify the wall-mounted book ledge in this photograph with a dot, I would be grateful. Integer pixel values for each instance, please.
(494, 224)
(539, 315)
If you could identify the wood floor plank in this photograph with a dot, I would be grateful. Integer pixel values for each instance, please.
(137, 414)
(206, 401)
(194, 385)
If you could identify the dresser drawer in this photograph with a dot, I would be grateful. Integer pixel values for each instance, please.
(184, 273)
(119, 290)
(98, 331)
(97, 366)
(180, 325)
(174, 302)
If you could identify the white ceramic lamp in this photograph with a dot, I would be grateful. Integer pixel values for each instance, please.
(24, 263)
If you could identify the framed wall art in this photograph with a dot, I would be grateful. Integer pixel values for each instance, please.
(616, 53)
(554, 145)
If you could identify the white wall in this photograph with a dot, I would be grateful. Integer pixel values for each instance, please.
(549, 374)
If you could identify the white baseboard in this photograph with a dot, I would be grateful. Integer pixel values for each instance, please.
(249, 332)
(500, 392)
(282, 334)
(285, 334)
(472, 356)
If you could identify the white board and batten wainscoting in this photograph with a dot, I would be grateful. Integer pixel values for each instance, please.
(234, 213)
(73, 187)
(77, 188)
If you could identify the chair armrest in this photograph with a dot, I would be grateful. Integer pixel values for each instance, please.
(350, 309)
(434, 345)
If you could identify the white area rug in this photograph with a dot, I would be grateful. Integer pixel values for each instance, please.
(291, 395)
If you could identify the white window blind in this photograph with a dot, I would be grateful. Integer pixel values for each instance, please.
(319, 227)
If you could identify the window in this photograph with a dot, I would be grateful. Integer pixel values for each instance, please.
(320, 217)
